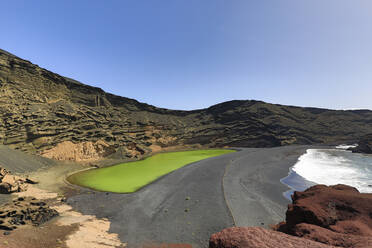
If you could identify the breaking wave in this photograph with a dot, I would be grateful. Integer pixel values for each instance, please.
(336, 166)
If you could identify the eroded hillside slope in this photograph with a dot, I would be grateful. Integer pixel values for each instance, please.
(40, 110)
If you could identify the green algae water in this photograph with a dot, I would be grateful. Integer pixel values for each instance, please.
(130, 177)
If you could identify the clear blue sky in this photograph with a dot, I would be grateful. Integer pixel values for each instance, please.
(188, 54)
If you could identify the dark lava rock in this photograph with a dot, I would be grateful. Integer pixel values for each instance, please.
(257, 237)
(29, 181)
(336, 215)
(25, 211)
(5, 188)
(364, 145)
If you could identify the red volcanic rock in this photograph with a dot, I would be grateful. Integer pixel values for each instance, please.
(321, 216)
(327, 236)
(257, 237)
(337, 215)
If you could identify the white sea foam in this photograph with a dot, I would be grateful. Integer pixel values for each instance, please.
(345, 147)
(335, 166)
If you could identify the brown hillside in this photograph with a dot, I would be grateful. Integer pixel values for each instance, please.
(40, 109)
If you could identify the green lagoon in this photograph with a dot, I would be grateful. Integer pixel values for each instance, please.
(130, 177)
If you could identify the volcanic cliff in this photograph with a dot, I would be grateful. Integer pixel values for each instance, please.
(364, 145)
(40, 111)
(321, 216)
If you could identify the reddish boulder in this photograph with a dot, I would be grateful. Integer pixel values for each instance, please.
(257, 237)
(321, 216)
(327, 236)
(338, 215)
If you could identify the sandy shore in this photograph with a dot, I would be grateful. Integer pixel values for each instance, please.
(70, 229)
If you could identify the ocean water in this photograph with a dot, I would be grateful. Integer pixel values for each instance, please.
(330, 167)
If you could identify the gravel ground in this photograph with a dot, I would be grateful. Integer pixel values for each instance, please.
(20, 162)
(252, 185)
(188, 205)
(185, 206)
(50, 173)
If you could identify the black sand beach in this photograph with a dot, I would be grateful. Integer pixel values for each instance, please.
(190, 204)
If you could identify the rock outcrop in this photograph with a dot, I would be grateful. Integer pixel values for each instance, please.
(84, 151)
(25, 211)
(337, 215)
(257, 237)
(334, 216)
(40, 110)
(11, 183)
(364, 145)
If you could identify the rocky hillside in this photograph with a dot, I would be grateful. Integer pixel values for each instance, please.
(364, 145)
(43, 112)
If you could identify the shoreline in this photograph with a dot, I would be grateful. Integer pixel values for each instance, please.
(254, 190)
(190, 159)
(295, 182)
(193, 202)
(183, 207)
(329, 166)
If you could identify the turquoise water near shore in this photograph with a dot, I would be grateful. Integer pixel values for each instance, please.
(330, 167)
